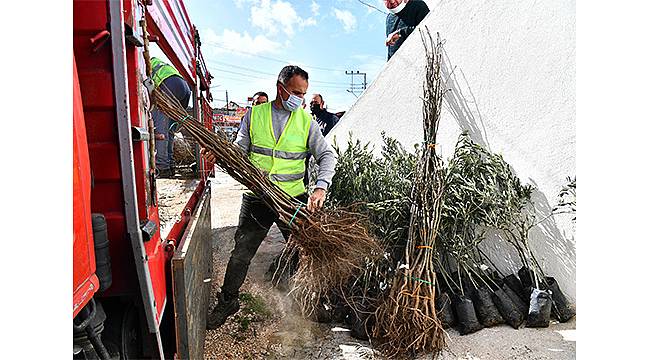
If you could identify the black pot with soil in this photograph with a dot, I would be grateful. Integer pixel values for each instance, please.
(539, 312)
(467, 322)
(486, 310)
(562, 309)
(515, 284)
(525, 276)
(362, 325)
(516, 299)
(507, 308)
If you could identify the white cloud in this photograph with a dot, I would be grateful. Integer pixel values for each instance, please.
(310, 21)
(272, 16)
(231, 39)
(240, 3)
(314, 8)
(347, 19)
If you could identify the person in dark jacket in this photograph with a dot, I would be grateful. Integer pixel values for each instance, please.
(324, 118)
(404, 17)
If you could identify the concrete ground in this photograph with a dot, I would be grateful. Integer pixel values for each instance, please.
(286, 335)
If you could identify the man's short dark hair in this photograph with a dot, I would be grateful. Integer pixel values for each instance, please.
(261, 93)
(321, 97)
(290, 71)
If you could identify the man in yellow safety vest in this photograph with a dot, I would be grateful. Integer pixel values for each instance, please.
(277, 136)
(169, 80)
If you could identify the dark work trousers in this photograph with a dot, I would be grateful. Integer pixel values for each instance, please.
(178, 88)
(255, 220)
(305, 180)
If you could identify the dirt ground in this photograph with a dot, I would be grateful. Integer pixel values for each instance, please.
(286, 335)
(173, 194)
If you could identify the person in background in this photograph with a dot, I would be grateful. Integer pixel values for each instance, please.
(169, 80)
(260, 97)
(404, 17)
(325, 119)
(277, 137)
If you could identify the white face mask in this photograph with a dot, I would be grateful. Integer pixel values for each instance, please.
(398, 8)
(293, 103)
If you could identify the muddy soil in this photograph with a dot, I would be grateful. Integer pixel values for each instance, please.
(286, 335)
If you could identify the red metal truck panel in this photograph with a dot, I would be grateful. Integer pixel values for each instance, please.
(96, 82)
(176, 36)
(89, 15)
(84, 281)
(96, 63)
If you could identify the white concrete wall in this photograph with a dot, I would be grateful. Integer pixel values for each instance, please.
(513, 88)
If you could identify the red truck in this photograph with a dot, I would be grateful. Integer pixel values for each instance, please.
(135, 294)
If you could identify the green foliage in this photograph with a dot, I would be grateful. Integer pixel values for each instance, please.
(481, 190)
(254, 305)
(362, 177)
(254, 309)
(380, 186)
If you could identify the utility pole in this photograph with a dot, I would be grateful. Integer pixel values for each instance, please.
(227, 103)
(353, 87)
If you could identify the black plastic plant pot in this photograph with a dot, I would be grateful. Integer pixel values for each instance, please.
(464, 282)
(339, 312)
(323, 312)
(525, 276)
(528, 291)
(468, 287)
(466, 315)
(507, 308)
(539, 312)
(562, 309)
(497, 279)
(486, 310)
(444, 310)
(516, 299)
(513, 282)
(362, 326)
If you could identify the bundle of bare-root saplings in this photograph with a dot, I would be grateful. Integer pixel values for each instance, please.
(333, 244)
(387, 206)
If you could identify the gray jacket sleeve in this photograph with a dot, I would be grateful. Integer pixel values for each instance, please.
(324, 154)
(243, 135)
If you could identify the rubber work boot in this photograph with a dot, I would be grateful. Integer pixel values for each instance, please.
(226, 306)
(164, 173)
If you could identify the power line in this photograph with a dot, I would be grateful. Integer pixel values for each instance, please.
(371, 6)
(266, 78)
(269, 79)
(267, 57)
(265, 73)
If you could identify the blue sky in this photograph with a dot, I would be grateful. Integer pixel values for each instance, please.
(325, 37)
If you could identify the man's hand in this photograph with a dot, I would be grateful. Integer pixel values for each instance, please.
(316, 200)
(159, 136)
(209, 155)
(392, 38)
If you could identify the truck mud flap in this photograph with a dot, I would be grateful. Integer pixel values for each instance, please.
(191, 271)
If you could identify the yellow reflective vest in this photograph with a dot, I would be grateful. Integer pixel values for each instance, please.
(161, 71)
(282, 160)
